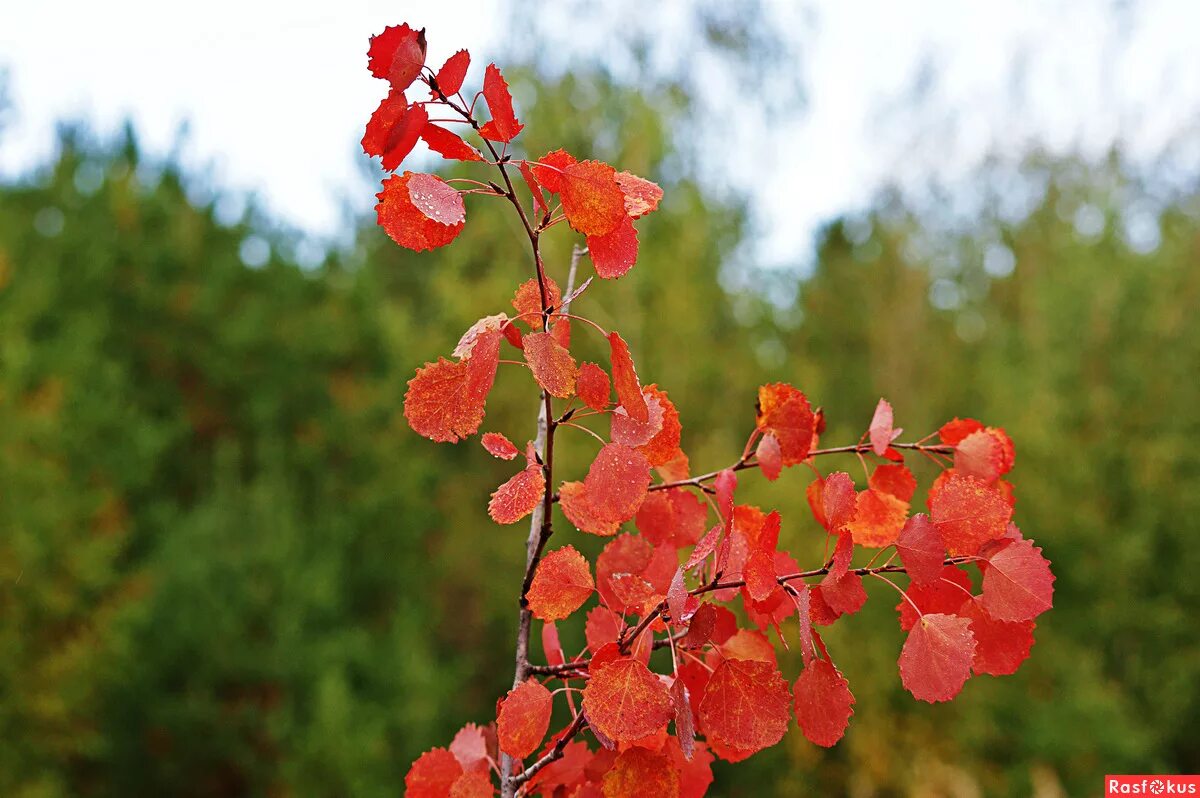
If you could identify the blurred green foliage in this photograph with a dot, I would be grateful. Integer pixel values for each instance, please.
(228, 568)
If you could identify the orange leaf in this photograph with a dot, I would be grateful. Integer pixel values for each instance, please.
(499, 446)
(561, 583)
(524, 718)
(528, 300)
(516, 498)
(445, 400)
(411, 226)
(432, 775)
(784, 412)
(577, 507)
(625, 379)
(591, 199)
(639, 773)
(551, 364)
(473, 785)
(624, 701)
(641, 195)
(878, 518)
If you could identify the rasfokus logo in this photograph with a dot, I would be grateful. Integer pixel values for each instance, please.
(1151, 785)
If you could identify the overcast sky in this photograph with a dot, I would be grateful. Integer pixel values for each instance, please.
(275, 92)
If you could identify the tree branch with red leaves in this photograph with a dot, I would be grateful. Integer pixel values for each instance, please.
(698, 572)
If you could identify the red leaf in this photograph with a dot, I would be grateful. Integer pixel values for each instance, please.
(561, 583)
(677, 597)
(516, 498)
(470, 748)
(745, 705)
(616, 482)
(436, 199)
(894, 479)
(591, 199)
(706, 546)
(785, 412)
(528, 301)
(921, 549)
(878, 518)
(641, 195)
(749, 644)
(549, 169)
(844, 594)
(726, 484)
(498, 445)
(838, 501)
(551, 364)
(638, 773)
(968, 513)
(397, 55)
(624, 701)
(539, 199)
(936, 660)
(770, 457)
(685, 728)
(445, 400)
(823, 703)
(614, 253)
(432, 775)
(633, 433)
(943, 595)
(524, 718)
(626, 554)
(448, 144)
(601, 628)
(406, 223)
(1017, 583)
(980, 455)
(504, 125)
(1000, 646)
(881, 431)
(593, 386)
(452, 74)
(759, 574)
(664, 445)
(551, 646)
(466, 344)
(625, 379)
(673, 517)
(954, 431)
(393, 130)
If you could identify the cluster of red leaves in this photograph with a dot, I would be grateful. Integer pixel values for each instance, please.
(694, 554)
(423, 211)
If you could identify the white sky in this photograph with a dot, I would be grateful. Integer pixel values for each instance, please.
(275, 93)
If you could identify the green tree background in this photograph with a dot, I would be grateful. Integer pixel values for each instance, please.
(228, 568)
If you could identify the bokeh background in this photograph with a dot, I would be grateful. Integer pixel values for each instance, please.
(227, 566)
